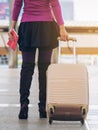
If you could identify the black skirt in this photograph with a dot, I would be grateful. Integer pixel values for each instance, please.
(38, 35)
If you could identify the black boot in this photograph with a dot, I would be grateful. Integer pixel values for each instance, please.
(23, 112)
(42, 111)
(25, 83)
(42, 68)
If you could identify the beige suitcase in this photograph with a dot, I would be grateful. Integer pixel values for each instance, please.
(67, 92)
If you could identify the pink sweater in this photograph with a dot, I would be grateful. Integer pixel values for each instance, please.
(38, 10)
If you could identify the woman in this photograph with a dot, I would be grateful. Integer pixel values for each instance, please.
(40, 25)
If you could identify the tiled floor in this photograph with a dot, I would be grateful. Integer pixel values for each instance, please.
(9, 104)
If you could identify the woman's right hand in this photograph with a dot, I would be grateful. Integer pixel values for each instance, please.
(63, 33)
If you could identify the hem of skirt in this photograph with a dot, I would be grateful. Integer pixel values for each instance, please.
(31, 49)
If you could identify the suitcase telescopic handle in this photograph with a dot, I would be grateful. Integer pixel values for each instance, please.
(73, 39)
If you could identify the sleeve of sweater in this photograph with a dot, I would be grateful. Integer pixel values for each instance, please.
(17, 5)
(56, 9)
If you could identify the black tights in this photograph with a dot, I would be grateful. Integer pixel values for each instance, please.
(27, 70)
(44, 56)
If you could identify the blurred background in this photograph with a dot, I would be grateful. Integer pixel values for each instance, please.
(81, 21)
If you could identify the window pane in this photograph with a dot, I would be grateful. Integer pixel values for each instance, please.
(4, 9)
(67, 7)
(80, 10)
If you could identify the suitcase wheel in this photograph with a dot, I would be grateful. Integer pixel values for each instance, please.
(51, 111)
(83, 110)
(50, 121)
(82, 121)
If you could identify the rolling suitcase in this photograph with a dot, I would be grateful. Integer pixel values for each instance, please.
(67, 92)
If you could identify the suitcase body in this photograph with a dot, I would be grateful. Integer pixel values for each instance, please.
(67, 92)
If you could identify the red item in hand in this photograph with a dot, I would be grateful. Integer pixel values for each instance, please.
(13, 43)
